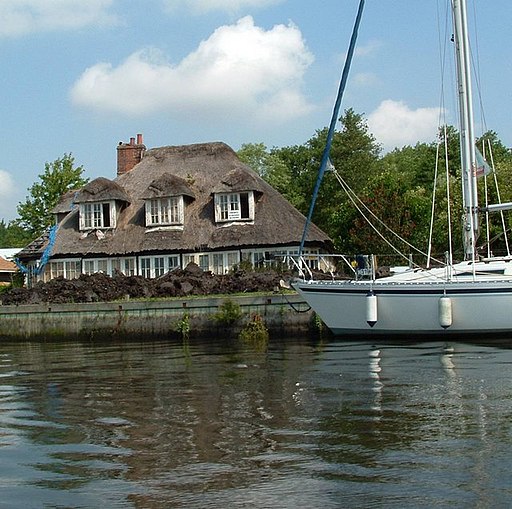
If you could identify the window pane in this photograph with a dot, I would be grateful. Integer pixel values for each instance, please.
(129, 266)
(103, 266)
(204, 262)
(234, 206)
(232, 260)
(188, 259)
(223, 205)
(96, 215)
(72, 269)
(87, 215)
(173, 262)
(145, 267)
(174, 212)
(57, 269)
(105, 215)
(218, 263)
(159, 266)
(244, 206)
(88, 266)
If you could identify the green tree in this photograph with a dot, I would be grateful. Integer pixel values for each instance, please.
(35, 214)
(13, 235)
(499, 187)
(354, 154)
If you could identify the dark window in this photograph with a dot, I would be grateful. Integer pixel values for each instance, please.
(244, 206)
(106, 215)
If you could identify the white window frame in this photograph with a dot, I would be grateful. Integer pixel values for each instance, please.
(69, 269)
(165, 211)
(93, 215)
(156, 266)
(218, 262)
(204, 262)
(234, 207)
(109, 265)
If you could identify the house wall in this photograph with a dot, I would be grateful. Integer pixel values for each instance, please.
(156, 265)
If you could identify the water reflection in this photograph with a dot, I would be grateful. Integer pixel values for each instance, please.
(334, 424)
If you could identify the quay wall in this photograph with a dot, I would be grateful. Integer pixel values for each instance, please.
(282, 314)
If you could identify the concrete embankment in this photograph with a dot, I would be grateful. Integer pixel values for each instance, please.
(282, 314)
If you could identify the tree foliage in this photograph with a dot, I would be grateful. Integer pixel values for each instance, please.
(13, 235)
(35, 213)
(397, 187)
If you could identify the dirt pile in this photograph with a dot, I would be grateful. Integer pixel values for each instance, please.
(179, 283)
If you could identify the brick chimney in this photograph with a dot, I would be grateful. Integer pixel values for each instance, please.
(129, 154)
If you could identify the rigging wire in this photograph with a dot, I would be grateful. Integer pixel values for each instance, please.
(361, 207)
(502, 214)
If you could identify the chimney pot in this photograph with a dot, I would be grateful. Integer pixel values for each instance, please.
(129, 154)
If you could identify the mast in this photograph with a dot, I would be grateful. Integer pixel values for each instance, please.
(471, 226)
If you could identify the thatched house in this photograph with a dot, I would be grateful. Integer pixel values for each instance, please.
(168, 207)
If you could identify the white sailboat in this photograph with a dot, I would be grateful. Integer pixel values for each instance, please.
(470, 297)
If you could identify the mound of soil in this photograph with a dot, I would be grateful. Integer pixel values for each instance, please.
(178, 283)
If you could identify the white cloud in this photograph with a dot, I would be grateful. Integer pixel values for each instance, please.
(370, 48)
(394, 124)
(205, 6)
(241, 71)
(8, 195)
(6, 184)
(365, 79)
(20, 17)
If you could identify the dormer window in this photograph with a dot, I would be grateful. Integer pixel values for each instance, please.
(234, 206)
(99, 203)
(97, 215)
(164, 211)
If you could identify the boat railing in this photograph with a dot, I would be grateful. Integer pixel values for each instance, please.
(340, 266)
(307, 265)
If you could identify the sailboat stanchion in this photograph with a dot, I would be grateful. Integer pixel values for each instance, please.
(445, 312)
(371, 309)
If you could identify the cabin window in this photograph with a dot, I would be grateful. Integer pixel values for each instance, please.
(234, 206)
(164, 211)
(97, 215)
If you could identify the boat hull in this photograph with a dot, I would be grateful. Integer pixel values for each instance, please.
(434, 309)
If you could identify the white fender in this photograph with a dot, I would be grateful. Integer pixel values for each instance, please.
(371, 309)
(445, 312)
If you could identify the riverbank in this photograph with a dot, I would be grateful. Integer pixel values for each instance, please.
(282, 314)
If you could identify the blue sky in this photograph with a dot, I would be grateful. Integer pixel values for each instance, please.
(80, 76)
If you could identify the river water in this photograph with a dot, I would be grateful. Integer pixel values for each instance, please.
(302, 424)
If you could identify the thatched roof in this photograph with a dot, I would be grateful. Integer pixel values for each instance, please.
(168, 185)
(237, 180)
(66, 202)
(102, 189)
(196, 170)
